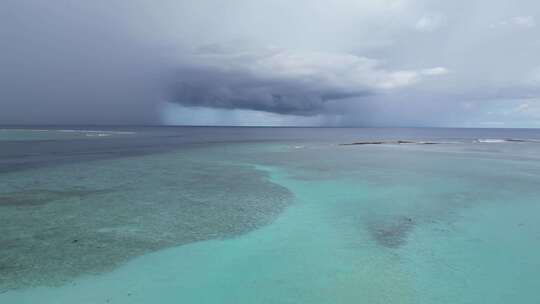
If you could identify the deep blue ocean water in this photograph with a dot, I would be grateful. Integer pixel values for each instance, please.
(269, 215)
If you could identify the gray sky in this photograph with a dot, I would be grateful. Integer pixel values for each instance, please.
(271, 62)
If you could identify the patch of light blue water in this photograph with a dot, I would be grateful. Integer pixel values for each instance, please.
(488, 255)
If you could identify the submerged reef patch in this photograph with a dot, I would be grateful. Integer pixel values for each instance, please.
(393, 233)
(108, 212)
(38, 196)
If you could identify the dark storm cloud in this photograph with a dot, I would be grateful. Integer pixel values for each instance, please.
(282, 81)
(236, 90)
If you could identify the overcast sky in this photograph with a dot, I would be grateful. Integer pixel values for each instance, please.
(461, 63)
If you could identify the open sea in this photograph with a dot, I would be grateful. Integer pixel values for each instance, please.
(240, 215)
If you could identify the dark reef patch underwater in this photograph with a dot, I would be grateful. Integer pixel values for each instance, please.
(74, 219)
(393, 234)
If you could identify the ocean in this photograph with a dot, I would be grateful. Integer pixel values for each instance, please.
(269, 215)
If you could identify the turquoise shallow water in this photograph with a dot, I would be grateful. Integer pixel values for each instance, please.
(449, 223)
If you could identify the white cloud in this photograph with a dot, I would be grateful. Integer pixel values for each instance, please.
(525, 22)
(318, 69)
(435, 71)
(529, 108)
(534, 77)
(430, 23)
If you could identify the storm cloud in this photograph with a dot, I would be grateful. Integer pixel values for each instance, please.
(283, 81)
(351, 62)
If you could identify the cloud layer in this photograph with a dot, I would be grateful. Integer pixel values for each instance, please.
(370, 62)
(284, 81)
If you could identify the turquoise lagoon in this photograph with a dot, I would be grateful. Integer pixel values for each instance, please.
(239, 215)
